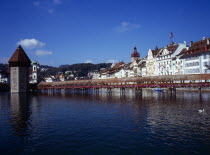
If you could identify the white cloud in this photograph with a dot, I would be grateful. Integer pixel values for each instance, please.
(88, 61)
(43, 52)
(36, 3)
(31, 43)
(57, 1)
(112, 61)
(47, 5)
(126, 26)
(4, 59)
(50, 11)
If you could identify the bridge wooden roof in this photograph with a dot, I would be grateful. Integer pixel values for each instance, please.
(167, 78)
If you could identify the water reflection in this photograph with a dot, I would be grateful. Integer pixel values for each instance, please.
(146, 122)
(20, 113)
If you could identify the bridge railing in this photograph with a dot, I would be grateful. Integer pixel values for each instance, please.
(193, 80)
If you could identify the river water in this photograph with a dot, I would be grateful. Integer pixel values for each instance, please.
(148, 123)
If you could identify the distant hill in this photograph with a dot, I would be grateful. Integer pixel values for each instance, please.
(3, 67)
(79, 70)
(82, 69)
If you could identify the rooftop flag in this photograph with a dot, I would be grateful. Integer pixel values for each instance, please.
(171, 35)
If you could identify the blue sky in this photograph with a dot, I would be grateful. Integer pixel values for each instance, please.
(57, 32)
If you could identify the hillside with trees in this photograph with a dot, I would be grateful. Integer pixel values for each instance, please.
(3, 67)
(78, 70)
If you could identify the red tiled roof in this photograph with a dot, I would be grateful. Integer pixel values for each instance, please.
(171, 48)
(19, 58)
(118, 64)
(197, 48)
(155, 52)
(116, 68)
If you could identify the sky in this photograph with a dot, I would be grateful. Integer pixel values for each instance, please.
(58, 32)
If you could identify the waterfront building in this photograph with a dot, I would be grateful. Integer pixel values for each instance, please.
(60, 77)
(120, 70)
(94, 75)
(142, 70)
(196, 58)
(178, 63)
(165, 62)
(19, 65)
(69, 75)
(4, 77)
(115, 71)
(50, 79)
(151, 61)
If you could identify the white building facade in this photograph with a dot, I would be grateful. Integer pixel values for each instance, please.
(165, 63)
(196, 58)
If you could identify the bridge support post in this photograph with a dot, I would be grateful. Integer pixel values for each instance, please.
(138, 90)
(122, 90)
(172, 90)
(109, 90)
(96, 90)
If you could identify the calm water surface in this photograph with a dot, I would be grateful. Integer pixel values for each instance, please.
(147, 123)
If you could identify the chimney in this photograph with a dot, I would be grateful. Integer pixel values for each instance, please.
(208, 41)
(191, 42)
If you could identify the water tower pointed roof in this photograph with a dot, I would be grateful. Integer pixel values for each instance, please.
(19, 58)
(135, 53)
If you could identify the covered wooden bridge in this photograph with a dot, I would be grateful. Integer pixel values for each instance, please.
(168, 81)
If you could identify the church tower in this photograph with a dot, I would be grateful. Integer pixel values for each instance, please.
(135, 55)
(19, 65)
(35, 70)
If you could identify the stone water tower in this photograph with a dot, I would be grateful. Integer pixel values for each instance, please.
(19, 65)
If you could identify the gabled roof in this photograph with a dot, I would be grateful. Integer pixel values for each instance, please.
(171, 48)
(19, 58)
(198, 47)
(118, 64)
(155, 52)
